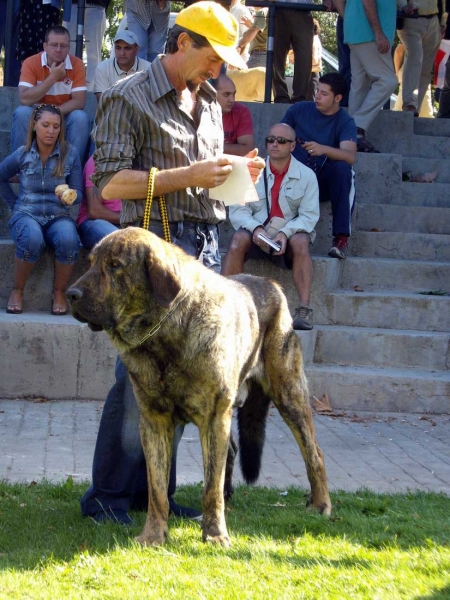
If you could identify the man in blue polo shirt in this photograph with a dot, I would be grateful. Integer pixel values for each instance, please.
(326, 142)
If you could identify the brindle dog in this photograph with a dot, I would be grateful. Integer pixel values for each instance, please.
(197, 345)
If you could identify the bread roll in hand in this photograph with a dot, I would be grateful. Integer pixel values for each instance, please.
(68, 196)
(59, 189)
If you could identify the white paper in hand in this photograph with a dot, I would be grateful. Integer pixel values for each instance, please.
(239, 187)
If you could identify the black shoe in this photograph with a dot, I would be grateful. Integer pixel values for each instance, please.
(362, 143)
(303, 318)
(114, 515)
(184, 512)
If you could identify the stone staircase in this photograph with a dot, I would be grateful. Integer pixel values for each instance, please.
(377, 344)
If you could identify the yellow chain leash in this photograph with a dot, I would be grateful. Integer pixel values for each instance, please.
(162, 206)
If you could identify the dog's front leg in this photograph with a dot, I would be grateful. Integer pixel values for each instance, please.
(157, 432)
(214, 437)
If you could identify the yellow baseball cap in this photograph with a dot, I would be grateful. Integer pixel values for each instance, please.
(217, 25)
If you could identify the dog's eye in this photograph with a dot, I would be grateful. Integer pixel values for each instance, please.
(114, 264)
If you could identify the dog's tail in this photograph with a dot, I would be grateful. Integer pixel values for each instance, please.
(252, 430)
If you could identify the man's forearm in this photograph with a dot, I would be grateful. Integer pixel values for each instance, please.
(348, 156)
(71, 105)
(32, 95)
(370, 8)
(248, 36)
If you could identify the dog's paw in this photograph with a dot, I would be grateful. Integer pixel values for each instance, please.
(153, 540)
(322, 506)
(221, 540)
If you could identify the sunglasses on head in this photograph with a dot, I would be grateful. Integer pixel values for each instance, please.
(281, 140)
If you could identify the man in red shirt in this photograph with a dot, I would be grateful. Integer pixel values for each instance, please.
(53, 77)
(287, 212)
(236, 118)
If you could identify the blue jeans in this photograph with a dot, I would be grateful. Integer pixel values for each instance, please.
(151, 42)
(77, 129)
(336, 181)
(93, 230)
(119, 476)
(343, 58)
(31, 238)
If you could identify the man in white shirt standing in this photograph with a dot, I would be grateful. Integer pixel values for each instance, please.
(125, 61)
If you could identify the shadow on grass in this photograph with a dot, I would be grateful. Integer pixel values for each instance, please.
(44, 521)
(442, 594)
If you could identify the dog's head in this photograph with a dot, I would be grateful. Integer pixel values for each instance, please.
(133, 276)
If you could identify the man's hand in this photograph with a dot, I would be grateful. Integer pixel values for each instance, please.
(383, 44)
(57, 72)
(257, 241)
(281, 239)
(328, 4)
(313, 148)
(210, 173)
(409, 9)
(255, 165)
(247, 22)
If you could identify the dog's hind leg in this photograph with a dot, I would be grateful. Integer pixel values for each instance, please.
(214, 436)
(291, 397)
(228, 489)
(157, 432)
(252, 418)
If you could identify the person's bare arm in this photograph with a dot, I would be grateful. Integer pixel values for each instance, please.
(31, 95)
(248, 37)
(242, 147)
(339, 6)
(76, 102)
(346, 151)
(132, 185)
(97, 210)
(370, 8)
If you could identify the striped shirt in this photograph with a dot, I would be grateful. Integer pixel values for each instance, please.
(139, 125)
(147, 12)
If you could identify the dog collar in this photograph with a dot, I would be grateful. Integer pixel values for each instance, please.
(156, 328)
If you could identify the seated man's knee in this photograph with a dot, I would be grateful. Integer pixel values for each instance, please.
(240, 242)
(299, 244)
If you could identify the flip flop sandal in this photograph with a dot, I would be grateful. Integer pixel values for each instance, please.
(14, 309)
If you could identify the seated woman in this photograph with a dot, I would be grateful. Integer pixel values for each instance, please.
(97, 217)
(40, 216)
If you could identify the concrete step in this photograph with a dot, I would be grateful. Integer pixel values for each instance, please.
(432, 127)
(373, 347)
(53, 357)
(409, 246)
(378, 178)
(393, 274)
(396, 390)
(413, 219)
(423, 194)
(385, 308)
(419, 166)
(38, 291)
(60, 359)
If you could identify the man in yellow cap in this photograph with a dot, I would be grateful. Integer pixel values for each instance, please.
(165, 117)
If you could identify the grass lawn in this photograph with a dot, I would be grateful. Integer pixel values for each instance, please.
(373, 546)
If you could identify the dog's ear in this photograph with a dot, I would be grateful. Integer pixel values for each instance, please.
(164, 277)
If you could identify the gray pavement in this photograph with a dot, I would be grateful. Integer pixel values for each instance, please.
(385, 452)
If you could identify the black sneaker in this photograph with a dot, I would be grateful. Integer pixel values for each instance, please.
(303, 318)
(184, 512)
(112, 515)
(339, 247)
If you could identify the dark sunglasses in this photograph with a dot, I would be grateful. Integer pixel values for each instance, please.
(281, 140)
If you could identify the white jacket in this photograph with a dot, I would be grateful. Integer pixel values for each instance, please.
(298, 200)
